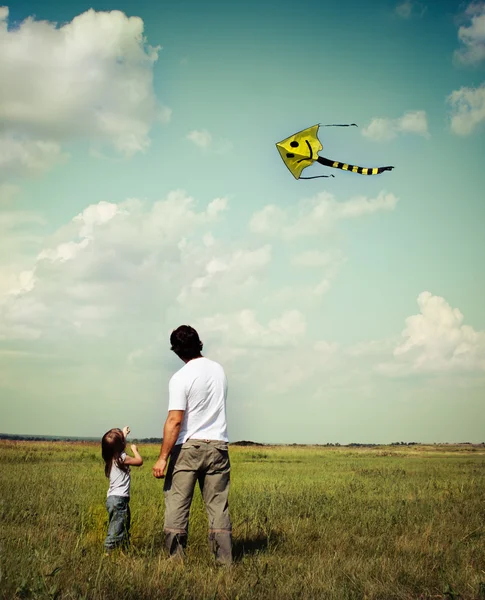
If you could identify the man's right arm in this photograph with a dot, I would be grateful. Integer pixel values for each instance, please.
(177, 404)
(171, 432)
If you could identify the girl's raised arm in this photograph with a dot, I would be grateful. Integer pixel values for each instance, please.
(134, 462)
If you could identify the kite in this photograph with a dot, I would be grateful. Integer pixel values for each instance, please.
(301, 150)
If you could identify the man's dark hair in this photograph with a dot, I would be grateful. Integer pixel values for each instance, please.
(185, 342)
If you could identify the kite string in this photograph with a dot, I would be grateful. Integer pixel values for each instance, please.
(339, 125)
(316, 177)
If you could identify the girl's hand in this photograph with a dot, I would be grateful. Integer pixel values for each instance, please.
(126, 431)
(135, 462)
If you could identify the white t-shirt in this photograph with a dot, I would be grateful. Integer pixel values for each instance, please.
(119, 481)
(200, 389)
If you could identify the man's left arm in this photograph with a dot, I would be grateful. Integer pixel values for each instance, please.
(171, 432)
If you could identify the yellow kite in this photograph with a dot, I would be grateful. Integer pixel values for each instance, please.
(301, 150)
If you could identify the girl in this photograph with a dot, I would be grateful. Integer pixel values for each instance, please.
(117, 469)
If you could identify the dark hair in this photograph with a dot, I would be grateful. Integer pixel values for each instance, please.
(185, 342)
(112, 445)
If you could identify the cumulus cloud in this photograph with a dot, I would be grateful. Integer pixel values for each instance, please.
(246, 331)
(316, 215)
(204, 139)
(223, 274)
(118, 259)
(472, 36)
(91, 78)
(385, 129)
(269, 356)
(277, 355)
(467, 109)
(201, 138)
(102, 294)
(117, 277)
(20, 156)
(436, 340)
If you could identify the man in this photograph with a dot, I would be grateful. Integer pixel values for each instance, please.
(195, 438)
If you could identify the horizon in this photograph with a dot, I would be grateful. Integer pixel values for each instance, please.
(141, 188)
(240, 442)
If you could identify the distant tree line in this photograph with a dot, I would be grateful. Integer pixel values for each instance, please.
(157, 440)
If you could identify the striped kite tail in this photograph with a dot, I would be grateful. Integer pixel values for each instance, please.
(353, 168)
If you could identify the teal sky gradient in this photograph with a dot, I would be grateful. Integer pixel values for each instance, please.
(252, 74)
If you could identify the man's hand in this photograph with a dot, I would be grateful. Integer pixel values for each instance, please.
(126, 431)
(159, 468)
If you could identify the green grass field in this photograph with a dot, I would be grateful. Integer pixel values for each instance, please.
(308, 522)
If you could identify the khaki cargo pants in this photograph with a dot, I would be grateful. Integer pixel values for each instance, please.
(205, 461)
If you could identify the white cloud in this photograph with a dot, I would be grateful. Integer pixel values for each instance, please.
(115, 259)
(246, 331)
(384, 129)
(322, 288)
(326, 348)
(318, 279)
(316, 215)
(21, 156)
(436, 340)
(216, 206)
(208, 239)
(271, 358)
(359, 206)
(91, 217)
(65, 251)
(410, 8)
(472, 36)
(310, 218)
(91, 78)
(269, 220)
(101, 295)
(223, 275)
(467, 109)
(414, 122)
(96, 214)
(113, 280)
(267, 356)
(204, 139)
(380, 129)
(201, 138)
(114, 266)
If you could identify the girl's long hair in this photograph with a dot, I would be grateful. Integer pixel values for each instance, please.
(112, 446)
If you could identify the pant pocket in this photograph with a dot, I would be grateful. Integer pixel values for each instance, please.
(222, 447)
(220, 457)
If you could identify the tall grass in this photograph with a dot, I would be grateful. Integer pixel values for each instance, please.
(336, 523)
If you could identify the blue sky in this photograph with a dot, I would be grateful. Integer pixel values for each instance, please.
(140, 188)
